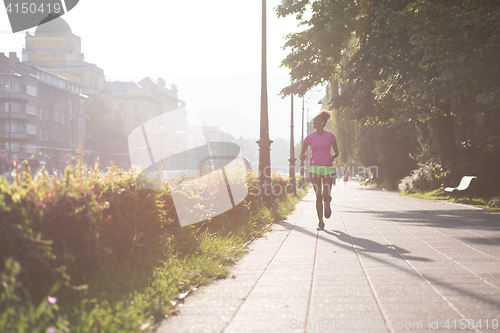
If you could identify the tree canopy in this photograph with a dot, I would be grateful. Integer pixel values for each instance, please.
(418, 51)
(404, 61)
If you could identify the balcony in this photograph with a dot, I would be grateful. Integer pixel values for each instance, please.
(13, 135)
(15, 95)
(13, 115)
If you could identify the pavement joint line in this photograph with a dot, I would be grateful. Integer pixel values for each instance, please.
(469, 230)
(457, 240)
(435, 230)
(448, 257)
(418, 272)
(442, 233)
(265, 270)
(453, 307)
(309, 301)
(370, 283)
(441, 220)
(395, 287)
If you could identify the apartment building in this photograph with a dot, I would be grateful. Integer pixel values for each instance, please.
(42, 114)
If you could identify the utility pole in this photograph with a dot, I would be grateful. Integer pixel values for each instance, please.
(308, 131)
(292, 158)
(114, 132)
(71, 114)
(10, 106)
(264, 142)
(302, 162)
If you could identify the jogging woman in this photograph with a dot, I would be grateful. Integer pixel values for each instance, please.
(321, 163)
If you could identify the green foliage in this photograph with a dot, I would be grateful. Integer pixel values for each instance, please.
(428, 63)
(388, 147)
(494, 202)
(427, 177)
(318, 52)
(19, 313)
(111, 251)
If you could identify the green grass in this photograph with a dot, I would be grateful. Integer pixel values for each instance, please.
(127, 298)
(135, 285)
(439, 194)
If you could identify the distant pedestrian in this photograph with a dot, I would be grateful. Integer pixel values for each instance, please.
(346, 174)
(321, 163)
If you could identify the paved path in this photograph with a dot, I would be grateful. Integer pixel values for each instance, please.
(384, 263)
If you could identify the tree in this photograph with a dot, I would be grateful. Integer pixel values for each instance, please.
(432, 62)
(316, 54)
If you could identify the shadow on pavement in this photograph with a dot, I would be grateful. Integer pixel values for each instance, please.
(494, 241)
(444, 219)
(365, 247)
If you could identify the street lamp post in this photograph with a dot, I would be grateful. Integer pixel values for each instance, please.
(302, 162)
(72, 129)
(292, 158)
(308, 131)
(114, 133)
(264, 141)
(9, 106)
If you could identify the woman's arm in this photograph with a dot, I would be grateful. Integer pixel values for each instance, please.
(335, 151)
(302, 155)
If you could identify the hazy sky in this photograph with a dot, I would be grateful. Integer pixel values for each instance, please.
(210, 49)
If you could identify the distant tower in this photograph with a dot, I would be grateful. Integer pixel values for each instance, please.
(53, 45)
(55, 48)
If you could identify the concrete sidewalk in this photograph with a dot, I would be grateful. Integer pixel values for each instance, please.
(384, 263)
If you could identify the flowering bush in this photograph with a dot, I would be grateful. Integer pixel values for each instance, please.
(76, 230)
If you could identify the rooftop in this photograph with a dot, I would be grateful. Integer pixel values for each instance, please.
(53, 24)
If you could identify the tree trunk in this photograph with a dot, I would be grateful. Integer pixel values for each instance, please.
(446, 135)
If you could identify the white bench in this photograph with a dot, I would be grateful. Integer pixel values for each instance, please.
(464, 185)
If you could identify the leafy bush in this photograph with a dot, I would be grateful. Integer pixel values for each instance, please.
(426, 178)
(115, 249)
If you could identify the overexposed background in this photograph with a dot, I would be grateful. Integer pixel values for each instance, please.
(210, 49)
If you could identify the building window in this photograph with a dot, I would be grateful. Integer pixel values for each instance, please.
(57, 116)
(31, 109)
(136, 121)
(41, 113)
(11, 107)
(15, 146)
(14, 87)
(30, 148)
(14, 127)
(120, 107)
(41, 134)
(30, 90)
(46, 136)
(31, 129)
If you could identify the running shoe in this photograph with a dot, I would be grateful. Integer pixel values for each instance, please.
(321, 225)
(328, 211)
